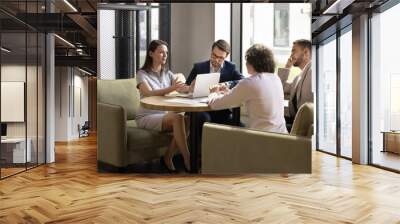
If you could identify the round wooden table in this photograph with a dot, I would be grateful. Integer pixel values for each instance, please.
(179, 104)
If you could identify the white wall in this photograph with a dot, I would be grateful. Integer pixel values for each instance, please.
(192, 34)
(16, 73)
(70, 83)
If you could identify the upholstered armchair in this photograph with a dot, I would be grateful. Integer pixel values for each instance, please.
(233, 150)
(120, 143)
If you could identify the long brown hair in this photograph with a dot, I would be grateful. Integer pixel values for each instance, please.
(148, 63)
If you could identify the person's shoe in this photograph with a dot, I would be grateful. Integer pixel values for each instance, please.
(186, 169)
(164, 164)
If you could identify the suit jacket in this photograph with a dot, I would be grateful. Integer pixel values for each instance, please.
(299, 89)
(228, 72)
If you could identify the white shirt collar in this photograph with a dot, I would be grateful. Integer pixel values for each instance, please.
(219, 69)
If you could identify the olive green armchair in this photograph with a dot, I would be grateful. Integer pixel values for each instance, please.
(120, 143)
(233, 150)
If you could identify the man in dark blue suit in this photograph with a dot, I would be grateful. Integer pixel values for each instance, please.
(217, 63)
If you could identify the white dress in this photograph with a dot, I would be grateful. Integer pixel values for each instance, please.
(152, 119)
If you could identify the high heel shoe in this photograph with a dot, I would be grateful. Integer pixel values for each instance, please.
(162, 162)
(186, 169)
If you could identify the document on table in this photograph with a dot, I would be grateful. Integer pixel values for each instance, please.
(186, 101)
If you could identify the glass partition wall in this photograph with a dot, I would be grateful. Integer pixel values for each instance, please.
(385, 90)
(334, 94)
(22, 77)
(326, 96)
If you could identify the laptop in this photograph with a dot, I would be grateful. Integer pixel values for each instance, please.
(202, 85)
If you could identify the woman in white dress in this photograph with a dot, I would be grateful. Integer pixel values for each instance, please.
(154, 79)
(262, 92)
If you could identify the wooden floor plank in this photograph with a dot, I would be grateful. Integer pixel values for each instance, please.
(72, 191)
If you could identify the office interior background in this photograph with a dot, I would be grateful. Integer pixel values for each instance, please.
(50, 62)
(53, 59)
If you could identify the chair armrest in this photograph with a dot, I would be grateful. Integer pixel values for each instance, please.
(111, 134)
(234, 150)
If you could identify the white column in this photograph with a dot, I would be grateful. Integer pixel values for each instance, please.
(236, 35)
(50, 98)
(106, 44)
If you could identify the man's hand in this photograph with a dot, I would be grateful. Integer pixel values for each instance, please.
(191, 87)
(289, 62)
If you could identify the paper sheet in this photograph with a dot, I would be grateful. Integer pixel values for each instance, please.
(185, 101)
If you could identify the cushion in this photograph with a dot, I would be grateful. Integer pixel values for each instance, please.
(139, 138)
(121, 92)
(131, 124)
(303, 120)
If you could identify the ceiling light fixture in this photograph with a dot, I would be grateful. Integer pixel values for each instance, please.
(5, 50)
(337, 7)
(65, 41)
(70, 5)
(84, 71)
(124, 6)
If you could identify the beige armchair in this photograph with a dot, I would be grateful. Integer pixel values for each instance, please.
(120, 143)
(234, 150)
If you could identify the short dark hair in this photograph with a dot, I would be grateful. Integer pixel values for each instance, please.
(303, 43)
(261, 58)
(148, 62)
(222, 45)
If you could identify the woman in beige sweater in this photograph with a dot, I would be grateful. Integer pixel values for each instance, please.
(262, 92)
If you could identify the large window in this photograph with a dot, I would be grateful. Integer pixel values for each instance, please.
(346, 93)
(327, 96)
(277, 26)
(155, 17)
(385, 88)
(142, 33)
(223, 21)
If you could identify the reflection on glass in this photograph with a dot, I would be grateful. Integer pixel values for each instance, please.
(346, 94)
(327, 97)
(155, 13)
(281, 25)
(276, 26)
(385, 84)
(13, 87)
(41, 99)
(142, 36)
(31, 101)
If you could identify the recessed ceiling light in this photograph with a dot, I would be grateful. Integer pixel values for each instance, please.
(337, 7)
(65, 41)
(5, 50)
(84, 71)
(70, 5)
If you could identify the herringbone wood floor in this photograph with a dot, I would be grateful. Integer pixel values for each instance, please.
(71, 191)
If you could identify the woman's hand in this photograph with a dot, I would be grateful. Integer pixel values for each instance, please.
(180, 77)
(177, 84)
(183, 89)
